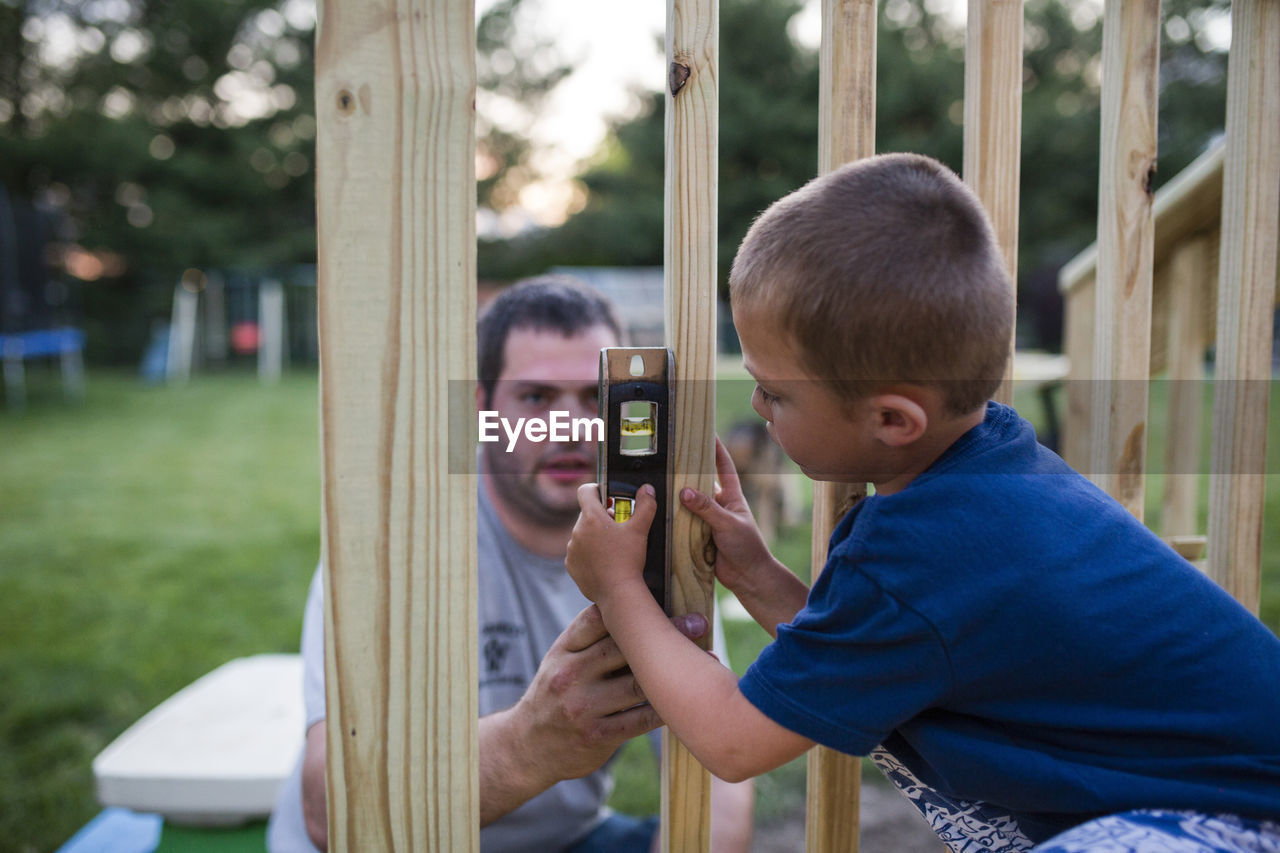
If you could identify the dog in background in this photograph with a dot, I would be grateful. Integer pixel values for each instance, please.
(769, 481)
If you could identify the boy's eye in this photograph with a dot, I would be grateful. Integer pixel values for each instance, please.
(765, 396)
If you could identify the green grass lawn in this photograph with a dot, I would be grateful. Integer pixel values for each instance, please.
(148, 535)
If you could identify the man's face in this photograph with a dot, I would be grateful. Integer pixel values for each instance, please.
(544, 371)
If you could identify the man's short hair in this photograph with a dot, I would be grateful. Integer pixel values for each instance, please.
(556, 303)
(885, 270)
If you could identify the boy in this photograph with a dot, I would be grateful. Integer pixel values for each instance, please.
(1018, 653)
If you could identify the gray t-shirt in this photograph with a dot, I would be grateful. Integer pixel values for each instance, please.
(525, 601)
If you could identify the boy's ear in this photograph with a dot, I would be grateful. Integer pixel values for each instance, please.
(899, 419)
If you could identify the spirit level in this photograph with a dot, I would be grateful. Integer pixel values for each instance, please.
(635, 405)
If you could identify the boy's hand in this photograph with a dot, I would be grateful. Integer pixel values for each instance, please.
(605, 554)
(739, 543)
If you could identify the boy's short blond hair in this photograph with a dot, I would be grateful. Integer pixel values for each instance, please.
(885, 270)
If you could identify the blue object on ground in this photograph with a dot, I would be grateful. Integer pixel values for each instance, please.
(117, 830)
(42, 342)
(155, 361)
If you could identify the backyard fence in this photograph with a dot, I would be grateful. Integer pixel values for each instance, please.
(395, 107)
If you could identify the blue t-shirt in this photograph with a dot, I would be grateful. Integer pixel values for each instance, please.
(1017, 641)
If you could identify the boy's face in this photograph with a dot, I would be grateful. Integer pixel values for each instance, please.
(828, 437)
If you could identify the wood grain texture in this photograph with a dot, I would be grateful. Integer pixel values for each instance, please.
(1190, 203)
(846, 132)
(1246, 294)
(847, 91)
(1122, 310)
(1187, 277)
(395, 91)
(1077, 343)
(993, 129)
(692, 140)
(833, 791)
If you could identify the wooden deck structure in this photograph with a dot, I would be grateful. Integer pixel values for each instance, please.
(395, 107)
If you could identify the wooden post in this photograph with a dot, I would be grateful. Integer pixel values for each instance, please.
(1122, 312)
(271, 328)
(395, 89)
(1077, 340)
(215, 319)
(692, 147)
(182, 334)
(846, 132)
(993, 128)
(1189, 270)
(1246, 299)
(847, 93)
(833, 790)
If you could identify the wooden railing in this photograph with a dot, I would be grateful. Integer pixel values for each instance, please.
(395, 87)
(1213, 283)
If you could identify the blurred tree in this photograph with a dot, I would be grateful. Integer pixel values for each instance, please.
(768, 146)
(171, 134)
(516, 70)
(1061, 132)
(180, 133)
(768, 132)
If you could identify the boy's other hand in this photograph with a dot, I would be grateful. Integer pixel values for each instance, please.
(739, 543)
(604, 554)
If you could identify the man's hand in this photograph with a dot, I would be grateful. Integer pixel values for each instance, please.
(581, 706)
(314, 804)
(603, 553)
(739, 544)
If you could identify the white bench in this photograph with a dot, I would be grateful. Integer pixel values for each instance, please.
(216, 752)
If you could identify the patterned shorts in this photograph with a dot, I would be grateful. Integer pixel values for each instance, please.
(1152, 831)
(966, 826)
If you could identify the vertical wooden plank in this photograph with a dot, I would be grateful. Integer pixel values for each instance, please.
(1122, 315)
(846, 132)
(1188, 276)
(833, 791)
(215, 319)
(1246, 296)
(692, 145)
(396, 218)
(1078, 346)
(993, 128)
(182, 334)
(271, 330)
(847, 87)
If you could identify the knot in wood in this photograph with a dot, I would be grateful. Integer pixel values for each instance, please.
(1129, 468)
(677, 76)
(1149, 180)
(346, 102)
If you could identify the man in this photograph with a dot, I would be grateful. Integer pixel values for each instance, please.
(556, 701)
